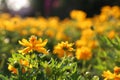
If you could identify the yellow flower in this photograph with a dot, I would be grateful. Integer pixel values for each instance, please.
(24, 32)
(100, 29)
(85, 24)
(12, 69)
(5, 16)
(102, 17)
(81, 42)
(63, 48)
(33, 44)
(83, 53)
(50, 33)
(78, 15)
(112, 76)
(53, 22)
(108, 75)
(87, 34)
(117, 77)
(24, 62)
(33, 30)
(116, 11)
(111, 34)
(106, 9)
(93, 44)
(116, 70)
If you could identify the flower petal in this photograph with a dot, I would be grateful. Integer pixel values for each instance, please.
(24, 42)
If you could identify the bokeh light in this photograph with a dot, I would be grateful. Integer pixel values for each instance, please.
(17, 5)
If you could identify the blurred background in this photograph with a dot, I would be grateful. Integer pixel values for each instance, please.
(48, 8)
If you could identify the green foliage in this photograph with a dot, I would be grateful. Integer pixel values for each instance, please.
(40, 66)
(108, 53)
(45, 68)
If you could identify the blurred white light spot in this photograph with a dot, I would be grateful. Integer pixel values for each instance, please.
(17, 5)
(7, 40)
(0, 2)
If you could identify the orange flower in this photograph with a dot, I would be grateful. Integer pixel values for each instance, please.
(106, 10)
(63, 48)
(112, 76)
(103, 17)
(117, 77)
(24, 62)
(78, 15)
(81, 42)
(93, 44)
(108, 75)
(12, 69)
(111, 34)
(116, 70)
(50, 33)
(23, 70)
(33, 44)
(83, 53)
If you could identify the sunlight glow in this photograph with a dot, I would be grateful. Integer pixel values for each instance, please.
(16, 5)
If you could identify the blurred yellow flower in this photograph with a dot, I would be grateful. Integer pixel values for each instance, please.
(24, 32)
(102, 17)
(50, 33)
(83, 53)
(33, 30)
(93, 44)
(100, 29)
(5, 16)
(85, 24)
(112, 76)
(12, 69)
(105, 9)
(63, 48)
(24, 62)
(111, 34)
(81, 42)
(33, 44)
(109, 11)
(108, 75)
(117, 77)
(78, 15)
(116, 11)
(116, 70)
(87, 34)
(53, 22)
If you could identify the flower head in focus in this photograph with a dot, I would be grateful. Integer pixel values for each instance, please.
(63, 48)
(33, 45)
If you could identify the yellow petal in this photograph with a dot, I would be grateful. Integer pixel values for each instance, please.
(25, 50)
(43, 50)
(24, 42)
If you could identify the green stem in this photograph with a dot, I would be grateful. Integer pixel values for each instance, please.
(83, 66)
(20, 72)
(2, 61)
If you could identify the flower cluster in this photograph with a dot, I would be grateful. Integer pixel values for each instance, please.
(112, 76)
(52, 47)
